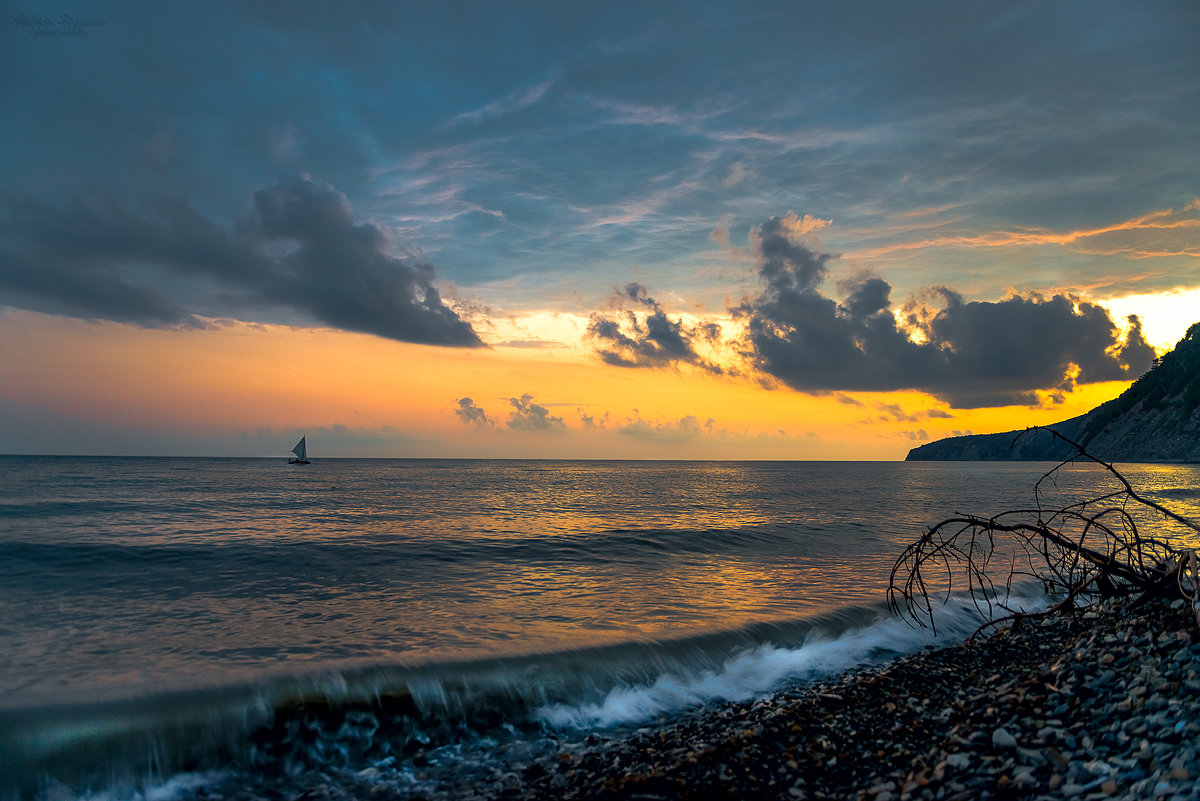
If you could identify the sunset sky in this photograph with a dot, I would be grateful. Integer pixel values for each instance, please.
(619, 230)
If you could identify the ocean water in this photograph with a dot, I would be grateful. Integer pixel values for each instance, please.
(167, 624)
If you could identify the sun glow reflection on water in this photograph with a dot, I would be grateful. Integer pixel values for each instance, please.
(160, 571)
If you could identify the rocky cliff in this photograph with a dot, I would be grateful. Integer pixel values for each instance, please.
(1156, 420)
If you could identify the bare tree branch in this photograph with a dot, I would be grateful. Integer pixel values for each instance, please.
(1084, 550)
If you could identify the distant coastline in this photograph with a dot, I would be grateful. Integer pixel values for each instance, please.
(1157, 419)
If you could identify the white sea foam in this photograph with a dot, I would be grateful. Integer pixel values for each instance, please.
(181, 785)
(758, 670)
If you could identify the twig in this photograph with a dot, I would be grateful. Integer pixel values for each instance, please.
(1089, 547)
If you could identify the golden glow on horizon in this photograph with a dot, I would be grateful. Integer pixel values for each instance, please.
(538, 329)
(1165, 316)
(244, 378)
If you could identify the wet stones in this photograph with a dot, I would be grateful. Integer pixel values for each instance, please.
(1093, 708)
(1105, 706)
(1002, 739)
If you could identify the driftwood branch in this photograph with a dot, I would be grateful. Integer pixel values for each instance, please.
(1078, 552)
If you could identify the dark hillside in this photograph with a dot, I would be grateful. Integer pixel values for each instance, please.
(1156, 419)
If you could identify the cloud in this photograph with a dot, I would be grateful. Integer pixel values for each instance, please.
(299, 248)
(685, 428)
(720, 232)
(516, 100)
(1054, 117)
(1160, 233)
(591, 422)
(796, 226)
(896, 412)
(88, 259)
(652, 340)
(529, 416)
(785, 262)
(969, 354)
(736, 175)
(342, 272)
(472, 414)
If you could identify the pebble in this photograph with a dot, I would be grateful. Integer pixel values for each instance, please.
(1107, 707)
(1002, 739)
(958, 761)
(957, 717)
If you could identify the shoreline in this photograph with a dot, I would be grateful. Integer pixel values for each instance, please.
(1102, 704)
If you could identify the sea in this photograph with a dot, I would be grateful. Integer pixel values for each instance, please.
(173, 626)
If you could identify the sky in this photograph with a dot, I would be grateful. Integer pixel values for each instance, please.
(699, 230)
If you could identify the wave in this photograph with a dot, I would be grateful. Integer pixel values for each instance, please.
(750, 672)
(389, 717)
(584, 545)
(267, 559)
(15, 510)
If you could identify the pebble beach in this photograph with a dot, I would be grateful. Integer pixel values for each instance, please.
(1102, 704)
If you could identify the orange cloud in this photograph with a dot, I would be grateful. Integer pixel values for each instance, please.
(1167, 232)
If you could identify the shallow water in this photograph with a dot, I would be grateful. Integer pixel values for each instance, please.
(175, 607)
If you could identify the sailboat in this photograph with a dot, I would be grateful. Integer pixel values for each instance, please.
(301, 453)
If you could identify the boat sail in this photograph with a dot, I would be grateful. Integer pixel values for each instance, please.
(301, 452)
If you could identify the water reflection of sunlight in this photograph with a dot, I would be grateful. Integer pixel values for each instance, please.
(1175, 486)
(423, 559)
(662, 550)
(677, 595)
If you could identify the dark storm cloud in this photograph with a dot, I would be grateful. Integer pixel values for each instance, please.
(92, 257)
(973, 354)
(787, 262)
(529, 416)
(299, 248)
(342, 272)
(523, 126)
(658, 341)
